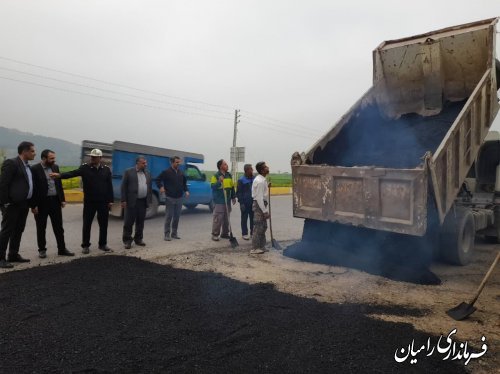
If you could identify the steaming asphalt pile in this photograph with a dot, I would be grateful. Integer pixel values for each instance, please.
(368, 139)
(394, 256)
(121, 314)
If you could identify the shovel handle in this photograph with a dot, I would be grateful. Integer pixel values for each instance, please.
(481, 286)
(270, 216)
(227, 211)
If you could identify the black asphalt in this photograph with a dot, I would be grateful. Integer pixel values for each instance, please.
(122, 314)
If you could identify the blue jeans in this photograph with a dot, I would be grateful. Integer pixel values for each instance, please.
(246, 214)
(173, 209)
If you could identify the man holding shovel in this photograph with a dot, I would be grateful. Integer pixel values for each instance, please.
(260, 196)
(222, 192)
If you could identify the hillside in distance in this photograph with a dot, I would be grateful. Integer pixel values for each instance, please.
(68, 154)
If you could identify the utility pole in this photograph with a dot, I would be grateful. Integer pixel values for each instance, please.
(234, 163)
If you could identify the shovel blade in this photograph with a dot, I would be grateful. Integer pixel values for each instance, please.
(276, 245)
(234, 243)
(461, 311)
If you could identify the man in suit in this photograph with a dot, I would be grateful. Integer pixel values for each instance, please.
(97, 197)
(16, 196)
(49, 201)
(136, 196)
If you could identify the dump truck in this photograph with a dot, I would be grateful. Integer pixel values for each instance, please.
(413, 156)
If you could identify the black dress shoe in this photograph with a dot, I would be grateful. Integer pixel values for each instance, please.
(17, 258)
(175, 236)
(5, 265)
(104, 248)
(127, 245)
(42, 254)
(65, 252)
(140, 243)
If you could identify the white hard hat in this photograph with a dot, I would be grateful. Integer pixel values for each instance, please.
(95, 153)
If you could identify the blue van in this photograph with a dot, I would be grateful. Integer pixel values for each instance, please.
(120, 156)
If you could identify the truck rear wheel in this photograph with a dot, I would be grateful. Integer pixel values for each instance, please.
(153, 208)
(495, 239)
(457, 237)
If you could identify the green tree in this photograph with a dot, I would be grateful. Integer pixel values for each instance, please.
(3, 155)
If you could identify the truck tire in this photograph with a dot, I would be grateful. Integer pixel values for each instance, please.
(496, 238)
(190, 206)
(153, 208)
(457, 237)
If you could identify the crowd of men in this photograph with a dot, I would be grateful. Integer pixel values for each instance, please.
(39, 188)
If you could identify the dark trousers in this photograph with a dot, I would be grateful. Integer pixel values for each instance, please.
(246, 214)
(136, 215)
(173, 207)
(12, 228)
(89, 211)
(49, 207)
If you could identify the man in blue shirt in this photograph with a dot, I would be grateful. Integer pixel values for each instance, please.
(244, 195)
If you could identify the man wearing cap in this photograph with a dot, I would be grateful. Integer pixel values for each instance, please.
(98, 197)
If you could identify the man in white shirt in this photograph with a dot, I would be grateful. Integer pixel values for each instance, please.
(260, 196)
(136, 196)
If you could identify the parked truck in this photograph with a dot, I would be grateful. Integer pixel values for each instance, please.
(121, 155)
(413, 155)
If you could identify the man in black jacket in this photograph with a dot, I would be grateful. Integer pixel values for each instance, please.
(49, 201)
(16, 196)
(98, 197)
(136, 196)
(172, 182)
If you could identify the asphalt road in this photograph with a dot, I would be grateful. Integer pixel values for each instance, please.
(194, 229)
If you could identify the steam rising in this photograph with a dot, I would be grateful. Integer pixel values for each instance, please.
(369, 139)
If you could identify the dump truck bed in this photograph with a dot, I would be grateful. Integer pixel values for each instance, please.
(432, 102)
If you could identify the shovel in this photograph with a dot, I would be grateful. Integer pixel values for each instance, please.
(464, 310)
(274, 242)
(232, 239)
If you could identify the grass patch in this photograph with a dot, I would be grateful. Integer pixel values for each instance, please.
(71, 182)
(277, 180)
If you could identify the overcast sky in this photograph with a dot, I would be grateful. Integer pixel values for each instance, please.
(302, 63)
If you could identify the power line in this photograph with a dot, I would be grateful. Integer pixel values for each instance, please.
(303, 131)
(278, 130)
(112, 91)
(299, 131)
(112, 83)
(267, 126)
(113, 99)
(270, 119)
